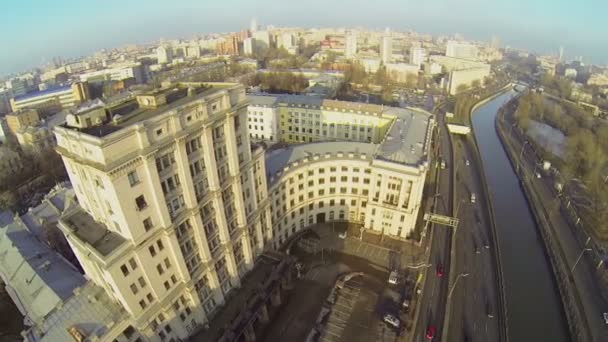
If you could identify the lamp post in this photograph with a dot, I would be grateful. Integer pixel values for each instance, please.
(456, 282)
(581, 255)
(521, 154)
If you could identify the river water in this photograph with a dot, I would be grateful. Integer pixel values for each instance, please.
(534, 309)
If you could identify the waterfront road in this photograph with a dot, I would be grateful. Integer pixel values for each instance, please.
(433, 297)
(474, 295)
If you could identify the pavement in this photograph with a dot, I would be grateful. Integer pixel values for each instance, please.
(583, 276)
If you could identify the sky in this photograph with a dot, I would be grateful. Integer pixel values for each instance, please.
(35, 31)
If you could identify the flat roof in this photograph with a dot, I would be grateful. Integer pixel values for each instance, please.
(406, 141)
(262, 100)
(43, 92)
(139, 114)
(92, 232)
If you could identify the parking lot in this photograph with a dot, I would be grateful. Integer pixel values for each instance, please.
(320, 310)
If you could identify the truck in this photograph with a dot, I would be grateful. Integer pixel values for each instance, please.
(546, 165)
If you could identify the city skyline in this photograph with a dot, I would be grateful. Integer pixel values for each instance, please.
(72, 31)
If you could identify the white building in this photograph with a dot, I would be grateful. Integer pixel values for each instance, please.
(350, 47)
(463, 79)
(116, 73)
(261, 39)
(386, 48)
(570, 72)
(248, 46)
(262, 118)
(417, 55)
(171, 213)
(462, 50)
(370, 65)
(164, 54)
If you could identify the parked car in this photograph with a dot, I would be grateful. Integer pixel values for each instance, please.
(466, 162)
(473, 198)
(605, 317)
(392, 320)
(343, 235)
(430, 332)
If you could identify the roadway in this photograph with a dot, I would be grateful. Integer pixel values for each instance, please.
(583, 276)
(434, 292)
(475, 292)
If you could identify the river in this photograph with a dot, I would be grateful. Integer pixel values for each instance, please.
(534, 309)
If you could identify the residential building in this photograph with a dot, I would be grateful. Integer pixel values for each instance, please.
(262, 118)
(18, 86)
(10, 161)
(261, 39)
(164, 54)
(386, 47)
(5, 132)
(53, 100)
(116, 73)
(570, 73)
(402, 72)
(20, 119)
(248, 46)
(36, 138)
(350, 48)
(463, 79)
(462, 50)
(417, 56)
(172, 204)
(371, 65)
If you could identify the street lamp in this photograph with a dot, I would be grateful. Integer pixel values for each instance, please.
(522, 149)
(456, 282)
(581, 255)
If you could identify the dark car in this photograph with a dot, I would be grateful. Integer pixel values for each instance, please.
(440, 271)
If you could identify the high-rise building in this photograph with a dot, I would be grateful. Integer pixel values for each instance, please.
(248, 46)
(261, 40)
(253, 26)
(172, 210)
(386, 47)
(462, 50)
(350, 47)
(417, 55)
(164, 54)
(561, 54)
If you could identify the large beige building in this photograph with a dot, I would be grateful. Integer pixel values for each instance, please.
(172, 198)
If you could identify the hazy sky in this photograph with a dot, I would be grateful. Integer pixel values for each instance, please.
(35, 31)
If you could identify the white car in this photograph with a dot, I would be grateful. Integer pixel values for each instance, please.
(343, 235)
(605, 317)
(467, 162)
(392, 320)
(473, 198)
(392, 278)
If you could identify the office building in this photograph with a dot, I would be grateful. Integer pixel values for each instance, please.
(417, 55)
(253, 27)
(172, 210)
(53, 100)
(560, 57)
(462, 50)
(386, 47)
(261, 40)
(402, 72)
(350, 47)
(115, 73)
(18, 86)
(463, 79)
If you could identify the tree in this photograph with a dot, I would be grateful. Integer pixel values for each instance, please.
(8, 200)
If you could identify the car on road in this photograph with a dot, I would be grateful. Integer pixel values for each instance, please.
(473, 198)
(343, 235)
(393, 278)
(443, 165)
(605, 317)
(466, 162)
(440, 270)
(489, 310)
(430, 332)
(392, 320)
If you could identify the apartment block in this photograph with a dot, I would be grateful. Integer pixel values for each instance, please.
(172, 203)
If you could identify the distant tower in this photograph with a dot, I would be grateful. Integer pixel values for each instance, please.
(350, 47)
(561, 53)
(386, 47)
(495, 44)
(254, 25)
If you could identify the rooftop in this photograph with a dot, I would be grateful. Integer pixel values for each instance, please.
(91, 232)
(131, 113)
(38, 278)
(90, 310)
(49, 91)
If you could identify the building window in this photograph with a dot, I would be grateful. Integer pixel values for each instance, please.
(125, 270)
(133, 178)
(160, 270)
(148, 224)
(152, 251)
(167, 263)
(160, 245)
(134, 288)
(143, 304)
(140, 202)
(133, 263)
(141, 282)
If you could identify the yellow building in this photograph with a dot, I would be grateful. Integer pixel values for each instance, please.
(309, 119)
(21, 119)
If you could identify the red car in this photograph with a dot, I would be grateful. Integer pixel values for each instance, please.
(440, 270)
(430, 332)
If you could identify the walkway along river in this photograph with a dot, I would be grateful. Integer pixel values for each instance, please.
(534, 309)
